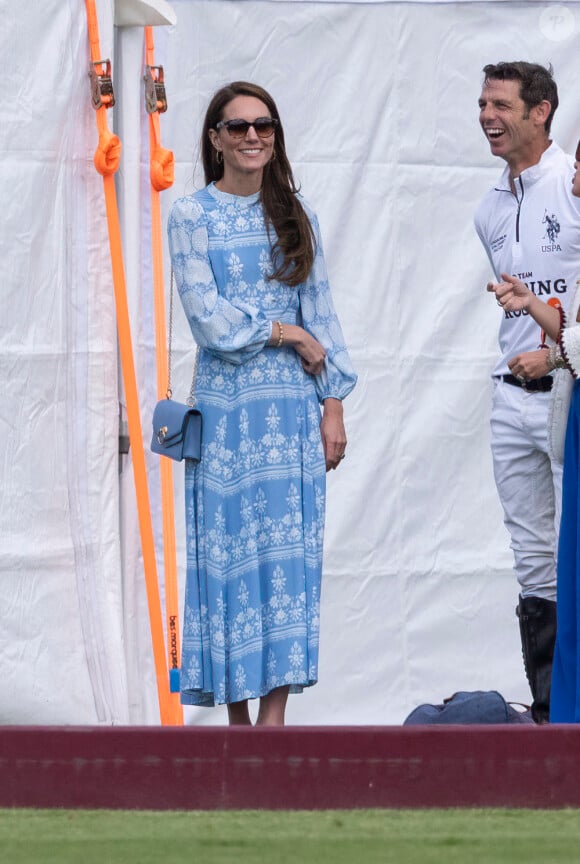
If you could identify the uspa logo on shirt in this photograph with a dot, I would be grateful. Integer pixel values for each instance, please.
(552, 231)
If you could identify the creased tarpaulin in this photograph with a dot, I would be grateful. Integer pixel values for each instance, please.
(379, 105)
(61, 629)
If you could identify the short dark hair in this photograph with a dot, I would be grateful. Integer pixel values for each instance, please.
(536, 83)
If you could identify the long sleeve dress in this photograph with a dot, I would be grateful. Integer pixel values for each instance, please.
(255, 503)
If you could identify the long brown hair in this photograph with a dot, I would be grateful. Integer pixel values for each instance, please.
(293, 250)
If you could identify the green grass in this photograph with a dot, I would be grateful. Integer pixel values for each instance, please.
(323, 837)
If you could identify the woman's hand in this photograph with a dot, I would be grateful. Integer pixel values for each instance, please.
(311, 352)
(333, 433)
(531, 364)
(512, 294)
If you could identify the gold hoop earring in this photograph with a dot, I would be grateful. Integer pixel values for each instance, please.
(219, 158)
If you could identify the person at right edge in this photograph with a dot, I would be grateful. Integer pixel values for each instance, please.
(528, 224)
(564, 431)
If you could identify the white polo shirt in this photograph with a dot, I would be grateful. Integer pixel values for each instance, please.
(534, 235)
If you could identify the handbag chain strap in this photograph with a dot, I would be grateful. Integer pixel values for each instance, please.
(191, 398)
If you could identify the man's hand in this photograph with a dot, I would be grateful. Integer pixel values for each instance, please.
(531, 364)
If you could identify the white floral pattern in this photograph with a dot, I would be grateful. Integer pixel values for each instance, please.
(255, 503)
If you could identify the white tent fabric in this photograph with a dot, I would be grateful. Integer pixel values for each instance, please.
(379, 104)
(61, 634)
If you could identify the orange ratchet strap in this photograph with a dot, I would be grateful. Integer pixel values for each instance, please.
(106, 159)
(161, 173)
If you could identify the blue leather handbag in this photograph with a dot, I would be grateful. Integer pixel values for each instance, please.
(176, 431)
(177, 427)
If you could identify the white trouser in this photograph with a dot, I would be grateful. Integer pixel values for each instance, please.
(529, 485)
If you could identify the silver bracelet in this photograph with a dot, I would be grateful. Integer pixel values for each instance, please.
(555, 358)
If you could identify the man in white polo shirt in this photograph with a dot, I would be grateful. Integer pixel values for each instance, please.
(529, 224)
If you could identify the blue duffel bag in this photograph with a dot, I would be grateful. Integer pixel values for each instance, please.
(465, 706)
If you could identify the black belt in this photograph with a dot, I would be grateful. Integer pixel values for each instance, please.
(536, 385)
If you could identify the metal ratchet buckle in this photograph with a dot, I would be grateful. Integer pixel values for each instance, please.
(101, 84)
(155, 96)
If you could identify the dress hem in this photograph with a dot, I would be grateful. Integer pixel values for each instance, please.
(201, 699)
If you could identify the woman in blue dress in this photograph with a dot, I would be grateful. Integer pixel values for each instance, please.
(564, 354)
(249, 267)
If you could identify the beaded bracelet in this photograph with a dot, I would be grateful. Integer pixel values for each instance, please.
(280, 341)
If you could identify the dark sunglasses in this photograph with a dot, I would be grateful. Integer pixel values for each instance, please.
(577, 156)
(263, 126)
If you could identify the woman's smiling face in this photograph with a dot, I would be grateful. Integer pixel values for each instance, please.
(247, 155)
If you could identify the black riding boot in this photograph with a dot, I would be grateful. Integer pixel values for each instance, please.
(538, 631)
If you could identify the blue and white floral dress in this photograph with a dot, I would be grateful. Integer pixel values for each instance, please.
(255, 503)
